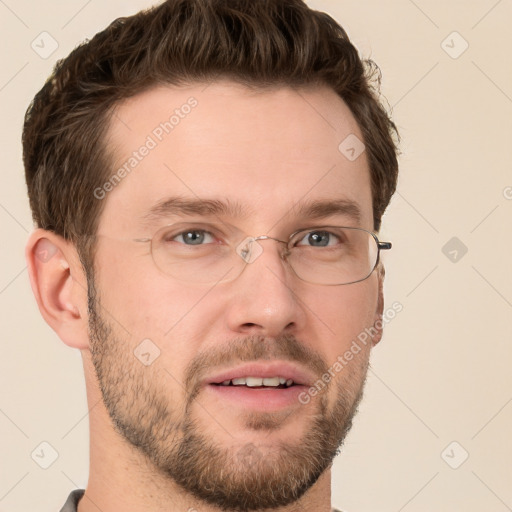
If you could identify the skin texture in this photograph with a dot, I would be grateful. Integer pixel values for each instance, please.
(159, 441)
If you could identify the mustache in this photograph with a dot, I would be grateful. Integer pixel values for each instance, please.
(251, 349)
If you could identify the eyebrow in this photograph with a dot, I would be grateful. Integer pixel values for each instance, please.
(311, 210)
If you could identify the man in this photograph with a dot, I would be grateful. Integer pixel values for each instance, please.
(207, 178)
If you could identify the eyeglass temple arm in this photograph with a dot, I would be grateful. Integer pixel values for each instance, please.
(383, 246)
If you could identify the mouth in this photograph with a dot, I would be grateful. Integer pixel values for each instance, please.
(258, 382)
(261, 386)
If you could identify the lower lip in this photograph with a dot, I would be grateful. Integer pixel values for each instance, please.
(263, 399)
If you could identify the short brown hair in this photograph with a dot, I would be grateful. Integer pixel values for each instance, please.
(257, 43)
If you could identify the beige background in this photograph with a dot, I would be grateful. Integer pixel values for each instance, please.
(442, 372)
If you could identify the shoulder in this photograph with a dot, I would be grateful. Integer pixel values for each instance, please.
(72, 501)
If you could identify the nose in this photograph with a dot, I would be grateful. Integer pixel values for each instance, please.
(266, 295)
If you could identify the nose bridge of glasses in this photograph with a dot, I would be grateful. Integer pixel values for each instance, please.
(249, 249)
(266, 237)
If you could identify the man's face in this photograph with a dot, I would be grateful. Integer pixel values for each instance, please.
(270, 152)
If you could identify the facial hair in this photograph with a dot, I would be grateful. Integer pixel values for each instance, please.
(232, 478)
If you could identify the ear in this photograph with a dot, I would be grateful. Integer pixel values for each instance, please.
(59, 286)
(378, 324)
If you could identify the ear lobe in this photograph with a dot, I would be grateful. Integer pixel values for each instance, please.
(59, 286)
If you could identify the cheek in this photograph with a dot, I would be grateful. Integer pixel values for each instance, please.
(346, 312)
(352, 318)
(141, 300)
(151, 315)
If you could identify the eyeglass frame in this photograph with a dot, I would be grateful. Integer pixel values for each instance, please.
(380, 247)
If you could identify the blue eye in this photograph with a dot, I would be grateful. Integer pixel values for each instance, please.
(193, 236)
(320, 238)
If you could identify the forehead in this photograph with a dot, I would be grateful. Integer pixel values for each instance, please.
(269, 151)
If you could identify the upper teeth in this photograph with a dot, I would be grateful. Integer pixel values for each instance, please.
(258, 381)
